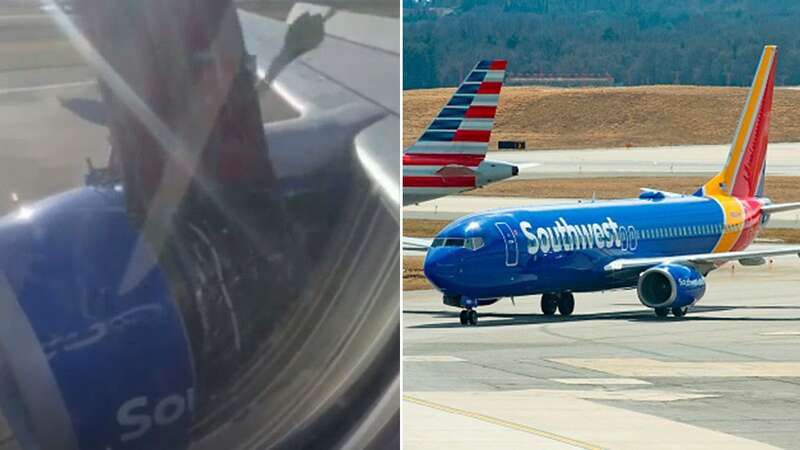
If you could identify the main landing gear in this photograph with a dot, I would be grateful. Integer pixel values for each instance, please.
(676, 311)
(468, 317)
(564, 302)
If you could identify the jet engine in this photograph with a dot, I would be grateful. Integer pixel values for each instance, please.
(670, 285)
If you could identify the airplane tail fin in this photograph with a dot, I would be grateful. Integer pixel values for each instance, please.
(461, 131)
(743, 174)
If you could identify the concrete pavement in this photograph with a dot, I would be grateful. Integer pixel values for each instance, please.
(612, 375)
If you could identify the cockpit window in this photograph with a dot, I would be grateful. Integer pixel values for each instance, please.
(454, 242)
(473, 243)
(438, 242)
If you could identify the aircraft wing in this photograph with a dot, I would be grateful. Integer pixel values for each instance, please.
(418, 244)
(700, 258)
(339, 62)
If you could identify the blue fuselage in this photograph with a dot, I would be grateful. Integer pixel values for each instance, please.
(524, 251)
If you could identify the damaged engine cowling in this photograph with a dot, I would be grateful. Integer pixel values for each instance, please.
(670, 285)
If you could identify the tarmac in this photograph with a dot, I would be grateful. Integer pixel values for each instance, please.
(45, 146)
(612, 375)
(686, 160)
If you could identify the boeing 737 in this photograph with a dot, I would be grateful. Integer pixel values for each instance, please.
(450, 155)
(662, 244)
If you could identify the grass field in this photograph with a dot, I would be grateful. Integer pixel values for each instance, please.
(552, 118)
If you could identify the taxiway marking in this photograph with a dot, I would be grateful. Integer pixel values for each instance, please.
(502, 423)
(780, 333)
(432, 358)
(46, 87)
(646, 367)
(601, 381)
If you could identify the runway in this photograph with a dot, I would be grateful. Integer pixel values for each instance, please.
(611, 375)
(782, 159)
(45, 146)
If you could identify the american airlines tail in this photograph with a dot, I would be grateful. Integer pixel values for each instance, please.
(449, 157)
(743, 174)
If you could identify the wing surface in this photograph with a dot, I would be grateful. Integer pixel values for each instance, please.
(699, 258)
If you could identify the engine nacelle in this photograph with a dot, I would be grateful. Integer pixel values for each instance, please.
(670, 285)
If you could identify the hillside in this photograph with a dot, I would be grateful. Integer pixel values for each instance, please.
(637, 42)
(551, 118)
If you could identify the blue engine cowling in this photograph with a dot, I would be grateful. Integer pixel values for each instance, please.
(670, 285)
(92, 344)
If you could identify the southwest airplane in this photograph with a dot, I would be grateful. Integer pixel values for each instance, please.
(450, 155)
(662, 244)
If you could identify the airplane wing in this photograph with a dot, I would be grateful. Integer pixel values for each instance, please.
(700, 258)
(418, 244)
(339, 64)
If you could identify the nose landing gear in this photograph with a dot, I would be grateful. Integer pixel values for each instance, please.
(468, 317)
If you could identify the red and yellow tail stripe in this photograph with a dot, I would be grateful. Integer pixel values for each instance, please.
(743, 170)
(737, 185)
(741, 222)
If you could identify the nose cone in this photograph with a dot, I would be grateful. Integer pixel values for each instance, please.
(491, 171)
(441, 267)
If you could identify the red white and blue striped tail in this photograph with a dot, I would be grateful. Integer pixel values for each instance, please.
(453, 146)
(464, 125)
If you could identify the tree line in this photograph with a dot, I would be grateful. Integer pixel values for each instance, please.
(637, 42)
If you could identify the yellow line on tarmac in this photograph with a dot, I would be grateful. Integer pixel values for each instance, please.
(502, 423)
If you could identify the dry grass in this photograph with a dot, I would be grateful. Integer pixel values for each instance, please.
(787, 235)
(778, 189)
(422, 227)
(548, 118)
(413, 278)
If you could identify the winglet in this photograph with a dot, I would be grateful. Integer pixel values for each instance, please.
(742, 174)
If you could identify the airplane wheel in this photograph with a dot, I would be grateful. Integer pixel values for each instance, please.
(549, 304)
(679, 312)
(566, 303)
(662, 312)
(463, 317)
(473, 317)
